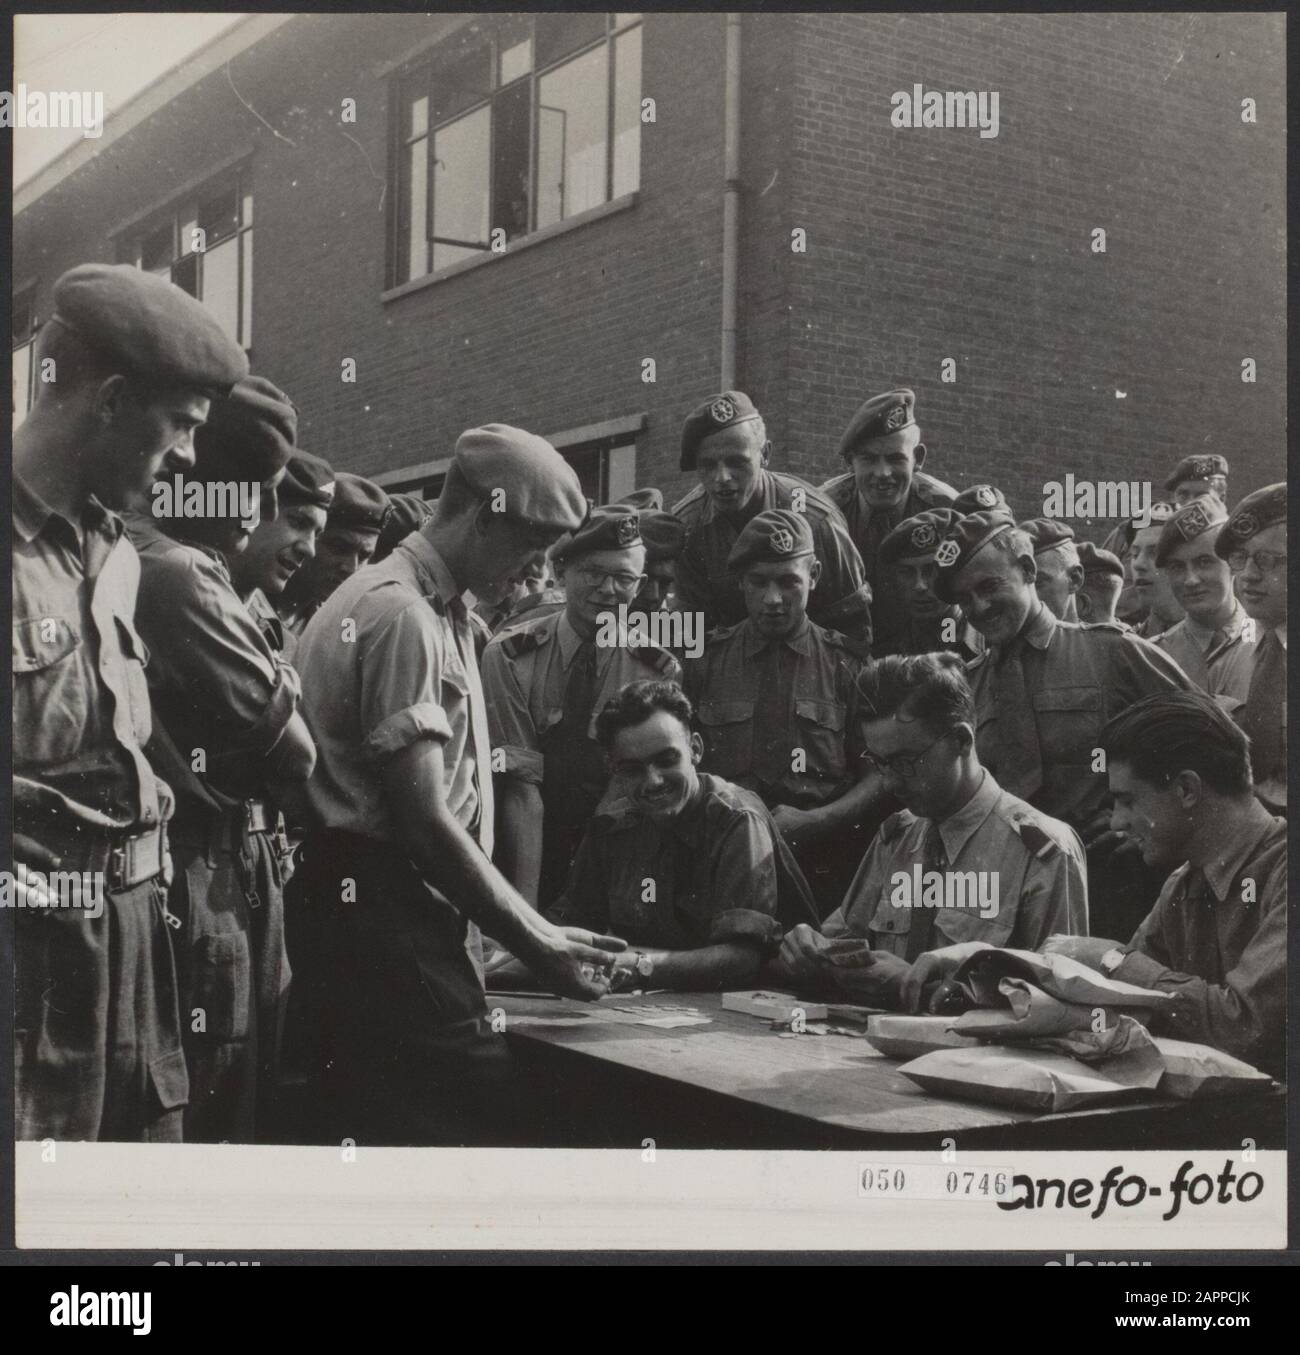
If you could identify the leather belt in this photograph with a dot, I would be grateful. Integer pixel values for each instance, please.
(122, 857)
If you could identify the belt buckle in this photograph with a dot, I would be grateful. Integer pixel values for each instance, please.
(139, 858)
(254, 816)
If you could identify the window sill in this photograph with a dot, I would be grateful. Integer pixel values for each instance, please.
(573, 223)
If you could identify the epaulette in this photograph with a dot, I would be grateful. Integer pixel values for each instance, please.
(653, 656)
(814, 498)
(931, 490)
(1038, 842)
(688, 502)
(720, 633)
(895, 825)
(523, 641)
(837, 486)
(1115, 627)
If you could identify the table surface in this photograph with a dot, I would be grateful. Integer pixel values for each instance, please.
(834, 1080)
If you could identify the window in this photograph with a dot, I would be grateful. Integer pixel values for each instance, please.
(24, 326)
(205, 246)
(514, 128)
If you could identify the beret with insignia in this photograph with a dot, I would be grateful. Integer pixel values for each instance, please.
(964, 538)
(1264, 508)
(648, 500)
(1204, 513)
(1159, 514)
(664, 536)
(407, 513)
(776, 535)
(537, 485)
(613, 527)
(878, 418)
(1203, 467)
(358, 503)
(248, 435)
(716, 413)
(1046, 533)
(148, 326)
(917, 537)
(307, 479)
(1098, 560)
(979, 499)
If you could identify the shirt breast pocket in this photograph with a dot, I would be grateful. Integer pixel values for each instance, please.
(728, 731)
(52, 701)
(820, 732)
(1069, 719)
(135, 659)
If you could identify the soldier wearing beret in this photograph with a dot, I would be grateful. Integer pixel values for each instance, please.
(725, 441)
(979, 499)
(1043, 689)
(351, 536)
(909, 552)
(884, 485)
(1194, 476)
(407, 513)
(775, 703)
(1103, 581)
(98, 1031)
(1150, 586)
(1059, 572)
(398, 858)
(664, 537)
(545, 680)
(1210, 643)
(1253, 542)
(226, 725)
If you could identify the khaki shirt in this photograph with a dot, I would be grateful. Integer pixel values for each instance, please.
(1220, 948)
(816, 711)
(407, 673)
(1078, 677)
(81, 713)
(525, 670)
(1037, 863)
(1218, 659)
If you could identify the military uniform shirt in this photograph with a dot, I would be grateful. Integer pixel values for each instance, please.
(1037, 862)
(714, 866)
(1217, 660)
(267, 620)
(1222, 956)
(525, 670)
(1078, 677)
(816, 710)
(841, 601)
(409, 674)
(81, 713)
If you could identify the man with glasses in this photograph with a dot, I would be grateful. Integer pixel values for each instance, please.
(1253, 542)
(544, 680)
(960, 840)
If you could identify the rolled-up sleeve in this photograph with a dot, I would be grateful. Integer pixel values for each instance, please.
(403, 669)
(510, 723)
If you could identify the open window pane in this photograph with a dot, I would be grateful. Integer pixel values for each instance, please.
(510, 161)
(627, 112)
(218, 215)
(461, 153)
(571, 116)
(560, 34)
(221, 285)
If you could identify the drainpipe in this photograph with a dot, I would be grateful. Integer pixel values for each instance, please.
(730, 201)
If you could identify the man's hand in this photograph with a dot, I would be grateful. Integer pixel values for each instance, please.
(791, 823)
(1085, 949)
(933, 967)
(571, 960)
(878, 982)
(801, 951)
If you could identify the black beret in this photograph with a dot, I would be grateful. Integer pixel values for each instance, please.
(1253, 514)
(249, 434)
(407, 513)
(1046, 533)
(917, 537)
(648, 500)
(148, 326)
(307, 479)
(1159, 514)
(1203, 514)
(1197, 468)
(613, 527)
(773, 536)
(966, 536)
(717, 412)
(357, 503)
(1099, 560)
(878, 418)
(979, 499)
(537, 485)
(664, 535)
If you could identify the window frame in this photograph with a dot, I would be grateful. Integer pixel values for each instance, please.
(24, 296)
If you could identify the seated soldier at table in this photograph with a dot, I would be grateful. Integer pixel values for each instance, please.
(1179, 770)
(690, 867)
(964, 861)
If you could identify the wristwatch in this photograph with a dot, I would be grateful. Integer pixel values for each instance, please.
(1112, 960)
(645, 966)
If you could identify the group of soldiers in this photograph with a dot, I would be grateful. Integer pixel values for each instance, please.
(404, 751)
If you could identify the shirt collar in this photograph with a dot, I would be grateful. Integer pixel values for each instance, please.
(431, 567)
(1224, 870)
(147, 528)
(800, 641)
(1210, 637)
(31, 513)
(1040, 629)
(568, 639)
(958, 828)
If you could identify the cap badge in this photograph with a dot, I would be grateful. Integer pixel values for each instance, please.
(985, 497)
(1247, 524)
(896, 418)
(1203, 468)
(781, 540)
(722, 410)
(629, 528)
(1195, 521)
(947, 553)
(924, 536)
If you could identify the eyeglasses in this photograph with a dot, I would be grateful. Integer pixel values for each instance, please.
(1265, 560)
(595, 578)
(901, 764)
